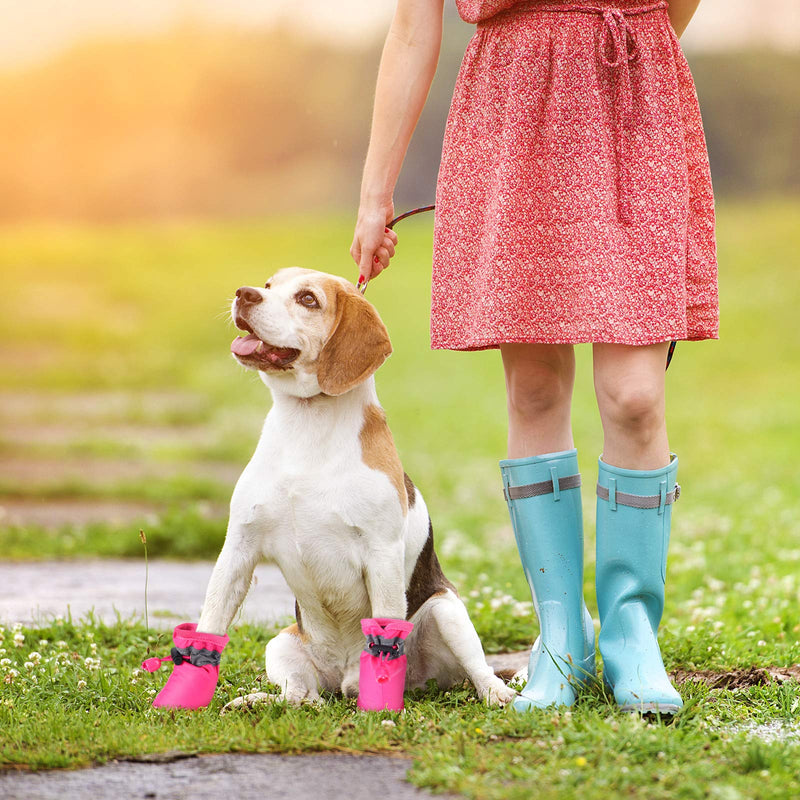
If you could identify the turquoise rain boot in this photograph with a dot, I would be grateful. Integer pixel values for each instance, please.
(544, 500)
(634, 509)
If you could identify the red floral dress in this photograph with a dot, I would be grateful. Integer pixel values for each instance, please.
(574, 200)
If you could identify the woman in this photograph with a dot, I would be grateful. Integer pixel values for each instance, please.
(574, 204)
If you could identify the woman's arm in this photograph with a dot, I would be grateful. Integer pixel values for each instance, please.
(406, 71)
(681, 12)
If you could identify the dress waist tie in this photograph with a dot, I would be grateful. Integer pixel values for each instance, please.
(617, 49)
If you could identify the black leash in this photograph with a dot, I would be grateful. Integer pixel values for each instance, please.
(362, 287)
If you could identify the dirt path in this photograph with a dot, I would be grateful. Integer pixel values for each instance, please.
(49, 439)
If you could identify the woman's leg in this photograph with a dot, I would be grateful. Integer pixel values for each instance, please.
(629, 382)
(542, 487)
(539, 381)
(635, 493)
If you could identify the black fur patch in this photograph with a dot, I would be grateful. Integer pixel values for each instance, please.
(411, 491)
(427, 578)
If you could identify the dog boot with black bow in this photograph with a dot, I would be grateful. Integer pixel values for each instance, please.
(634, 511)
(382, 675)
(544, 500)
(196, 657)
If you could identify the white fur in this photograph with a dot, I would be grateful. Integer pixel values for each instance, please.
(337, 528)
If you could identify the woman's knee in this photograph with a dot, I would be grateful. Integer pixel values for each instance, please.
(538, 386)
(633, 406)
(629, 383)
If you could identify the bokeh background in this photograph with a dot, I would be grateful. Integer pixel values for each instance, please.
(154, 156)
(166, 109)
(157, 155)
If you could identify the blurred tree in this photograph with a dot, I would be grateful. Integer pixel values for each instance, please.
(205, 121)
(751, 110)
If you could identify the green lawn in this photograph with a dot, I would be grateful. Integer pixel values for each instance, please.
(132, 322)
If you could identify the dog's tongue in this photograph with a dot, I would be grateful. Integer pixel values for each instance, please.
(245, 345)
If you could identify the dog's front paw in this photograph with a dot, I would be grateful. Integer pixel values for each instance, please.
(495, 693)
(249, 701)
(350, 686)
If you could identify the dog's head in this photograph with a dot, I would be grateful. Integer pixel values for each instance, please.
(308, 332)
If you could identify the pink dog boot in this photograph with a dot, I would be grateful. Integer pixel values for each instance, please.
(196, 657)
(382, 676)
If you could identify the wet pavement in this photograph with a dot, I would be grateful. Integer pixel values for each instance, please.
(244, 777)
(41, 590)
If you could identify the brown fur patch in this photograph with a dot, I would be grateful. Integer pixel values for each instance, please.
(294, 630)
(379, 452)
(427, 578)
(358, 342)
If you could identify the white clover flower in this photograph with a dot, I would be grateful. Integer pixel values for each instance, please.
(81, 684)
(29, 665)
(16, 627)
(93, 649)
(388, 723)
(19, 639)
(522, 609)
(761, 643)
(4, 662)
(36, 657)
(61, 644)
(59, 619)
(495, 603)
(44, 642)
(89, 635)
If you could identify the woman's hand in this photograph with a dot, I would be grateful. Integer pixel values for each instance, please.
(373, 243)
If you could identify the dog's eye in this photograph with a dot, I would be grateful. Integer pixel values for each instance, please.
(307, 299)
(267, 285)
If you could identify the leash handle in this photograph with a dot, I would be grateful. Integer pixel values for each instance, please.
(671, 352)
(362, 287)
(411, 213)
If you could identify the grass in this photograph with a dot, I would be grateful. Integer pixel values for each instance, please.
(73, 695)
(123, 330)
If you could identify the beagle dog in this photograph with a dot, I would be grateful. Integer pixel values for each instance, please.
(325, 497)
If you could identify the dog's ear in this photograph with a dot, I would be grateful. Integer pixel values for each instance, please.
(358, 344)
